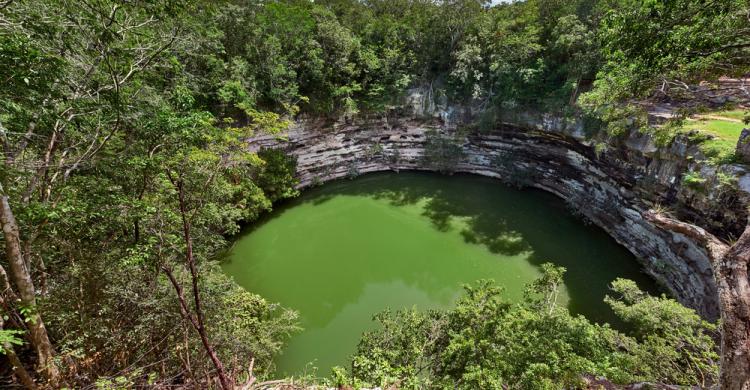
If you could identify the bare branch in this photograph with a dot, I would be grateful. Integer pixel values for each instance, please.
(715, 247)
(195, 319)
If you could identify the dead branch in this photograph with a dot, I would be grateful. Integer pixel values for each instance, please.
(715, 247)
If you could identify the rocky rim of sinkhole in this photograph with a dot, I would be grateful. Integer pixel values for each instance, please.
(618, 189)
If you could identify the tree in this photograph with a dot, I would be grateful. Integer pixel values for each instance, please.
(734, 296)
(9, 337)
(196, 319)
(675, 344)
(21, 59)
(81, 81)
(666, 45)
(71, 77)
(730, 265)
(547, 286)
(26, 292)
(208, 169)
(485, 342)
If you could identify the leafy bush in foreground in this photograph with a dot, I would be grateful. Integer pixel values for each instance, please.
(488, 343)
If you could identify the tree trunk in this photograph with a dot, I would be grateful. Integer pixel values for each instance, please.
(21, 277)
(734, 298)
(197, 319)
(226, 384)
(730, 266)
(18, 369)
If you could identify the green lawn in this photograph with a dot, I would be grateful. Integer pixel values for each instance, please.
(738, 114)
(720, 149)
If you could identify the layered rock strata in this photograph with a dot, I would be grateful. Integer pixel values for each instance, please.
(612, 189)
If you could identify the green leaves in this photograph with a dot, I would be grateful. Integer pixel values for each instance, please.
(106, 107)
(655, 43)
(487, 343)
(103, 105)
(547, 287)
(9, 337)
(675, 344)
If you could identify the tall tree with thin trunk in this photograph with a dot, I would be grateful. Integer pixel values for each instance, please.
(68, 74)
(21, 277)
(18, 368)
(195, 315)
(203, 174)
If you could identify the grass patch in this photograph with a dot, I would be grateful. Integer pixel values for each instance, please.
(721, 148)
(738, 114)
(694, 180)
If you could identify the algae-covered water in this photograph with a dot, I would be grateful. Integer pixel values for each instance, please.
(342, 252)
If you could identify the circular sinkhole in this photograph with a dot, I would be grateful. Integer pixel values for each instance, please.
(349, 249)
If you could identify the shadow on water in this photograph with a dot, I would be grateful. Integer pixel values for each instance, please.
(509, 222)
(339, 260)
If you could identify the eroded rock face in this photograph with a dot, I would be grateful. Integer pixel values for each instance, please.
(609, 189)
(612, 187)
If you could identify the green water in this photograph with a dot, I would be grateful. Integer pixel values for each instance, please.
(347, 250)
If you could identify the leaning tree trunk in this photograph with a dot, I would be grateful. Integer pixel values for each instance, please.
(734, 298)
(730, 266)
(21, 277)
(18, 369)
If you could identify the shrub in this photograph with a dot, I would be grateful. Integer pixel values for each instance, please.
(486, 342)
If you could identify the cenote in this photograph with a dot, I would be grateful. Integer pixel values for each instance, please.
(344, 251)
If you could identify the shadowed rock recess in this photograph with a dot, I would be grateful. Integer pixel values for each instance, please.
(612, 188)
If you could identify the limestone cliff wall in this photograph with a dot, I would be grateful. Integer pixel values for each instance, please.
(612, 187)
(607, 190)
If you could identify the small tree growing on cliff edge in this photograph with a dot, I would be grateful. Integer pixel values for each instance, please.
(675, 343)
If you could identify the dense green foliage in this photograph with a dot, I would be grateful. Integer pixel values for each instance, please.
(104, 130)
(487, 343)
(662, 50)
(122, 122)
(667, 44)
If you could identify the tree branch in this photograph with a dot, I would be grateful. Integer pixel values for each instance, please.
(197, 319)
(715, 247)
